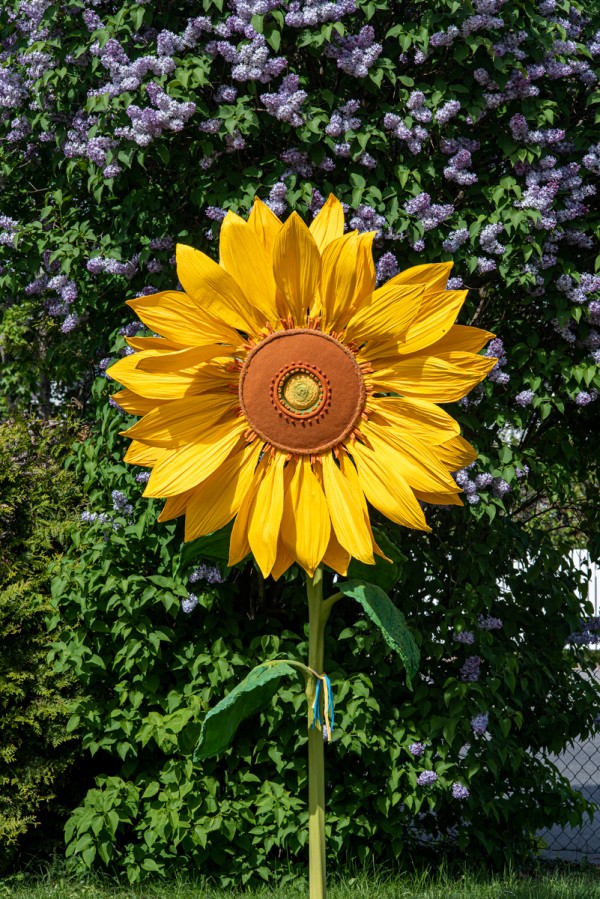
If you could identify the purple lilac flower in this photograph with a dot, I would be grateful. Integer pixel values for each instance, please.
(525, 398)
(484, 480)
(583, 398)
(426, 778)
(447, 111)
(387, 266)
(209, 573)
(70, 323)
(120, 504)
(344, 119)
(457, 169)
(416, 749)
(252, 61)
(413, 137)
(454, 284)
(286, 102)
(367, 219)
(459, 791)
(277, 198)
(522, 472)
(467, 638)
(489, 623)
(444, 38)
(469, 671)
(189, 604)
(455, 240)
(314, 12)
(488, 241)
(355, 54)
(142, 477)
(479, 723)
(501, 487)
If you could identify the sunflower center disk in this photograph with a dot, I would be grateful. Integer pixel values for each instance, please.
(301, 391)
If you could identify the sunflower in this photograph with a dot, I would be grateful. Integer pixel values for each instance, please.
(289, 393)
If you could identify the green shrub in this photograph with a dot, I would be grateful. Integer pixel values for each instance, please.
(151, 672)
(37, 502)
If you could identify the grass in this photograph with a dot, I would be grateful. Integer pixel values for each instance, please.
(577, 883)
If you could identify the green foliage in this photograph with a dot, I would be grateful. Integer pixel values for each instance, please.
(37, 505)
(152, 673)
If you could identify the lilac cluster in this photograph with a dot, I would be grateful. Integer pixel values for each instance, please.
(208, 573)
(454, 241)
(414, 136)
(470, 669)
(489, 623)
(286, 102)
(189, 603)
(459, 791)
(298, 162)
(250, 62)
(104, 265)
(277, 200)
(488, 239)
(344, 119)
(543, 137)
(142, 477)
(8, 230)
(355, 54)
(120, 504)
(428, 214)
(246, 9)
(367, 219)
(457, 169)
(447, 111)
(64, 294)
(148, 124)
(306, 13)
(416, 749)
(426, 778)
(578, 292)
(496, 348)
(591, 160)
(417, 108)
(81, 143)
(386, 267)
(588, 632)
(467, 638)
(525, 397)
(225, 93)
(544, 183)
(479, 723)
(585, 397)
(469, 487)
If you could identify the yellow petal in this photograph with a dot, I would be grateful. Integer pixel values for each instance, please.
(328, 224)
(415, 462)
(166, 386)
(239, 546)
(265, 225)
(175, 506)
(336, 556)
(366, 278)
(419, 418)
(187, 466)
(154, 343)
(346, 512)
(435, 318)
(338, 279)
(432, 378)
(247, 261)
(388, 314)
(265, 517)
(462, 338)
(180, 359)
(433, 275)
(305, 526)
(215, 502)
(183, 421)
(141, 454)
(178, 317)
(385, 488)
(282, 562)
(439, 499)
(215, 290)
(348, 469)
(456, 453)
(134, 404)
(297, 265)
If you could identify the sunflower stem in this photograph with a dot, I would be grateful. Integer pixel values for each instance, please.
(318, 614)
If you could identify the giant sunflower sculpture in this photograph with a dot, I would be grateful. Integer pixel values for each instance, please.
(288, 392)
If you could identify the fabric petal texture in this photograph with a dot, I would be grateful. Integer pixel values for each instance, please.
(282, 390)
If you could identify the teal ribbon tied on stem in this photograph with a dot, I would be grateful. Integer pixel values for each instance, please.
(323, 686)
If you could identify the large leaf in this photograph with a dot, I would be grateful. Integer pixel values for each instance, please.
(383, 574)
(250, 696)
(389, 619)
(214, 547)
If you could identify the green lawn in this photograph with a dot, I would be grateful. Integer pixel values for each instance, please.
(576, 884)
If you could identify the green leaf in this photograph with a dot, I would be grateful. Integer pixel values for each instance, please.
(254, 693)
(213, 546)
(390, 621)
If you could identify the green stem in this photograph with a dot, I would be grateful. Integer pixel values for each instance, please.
(318, 614)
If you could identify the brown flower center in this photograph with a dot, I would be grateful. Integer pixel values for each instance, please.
(301, 391)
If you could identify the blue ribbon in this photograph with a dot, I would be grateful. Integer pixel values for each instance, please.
(317, 705)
